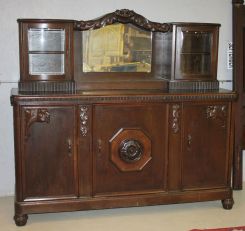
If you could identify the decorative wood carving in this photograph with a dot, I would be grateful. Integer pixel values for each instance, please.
(40, 115)
(130, 150)
(217, 112)
(84, 120)
(122, 16)
(176, 116)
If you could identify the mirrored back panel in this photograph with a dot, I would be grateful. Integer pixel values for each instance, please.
(117, 48)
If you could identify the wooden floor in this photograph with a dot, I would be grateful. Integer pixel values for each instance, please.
(181, 217)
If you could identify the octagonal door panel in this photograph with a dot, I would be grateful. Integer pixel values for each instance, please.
(129, 148)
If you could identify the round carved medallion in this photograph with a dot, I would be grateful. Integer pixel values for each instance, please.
(130, 150)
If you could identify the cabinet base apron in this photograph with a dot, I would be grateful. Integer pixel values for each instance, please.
(79, 204)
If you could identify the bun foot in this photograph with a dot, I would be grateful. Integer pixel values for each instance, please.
(20, 220)
(228, 203)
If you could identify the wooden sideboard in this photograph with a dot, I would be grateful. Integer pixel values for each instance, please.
(132, 121)
(94, 150)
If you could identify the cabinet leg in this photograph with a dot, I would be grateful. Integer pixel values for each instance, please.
(228, 203)
(20, 220)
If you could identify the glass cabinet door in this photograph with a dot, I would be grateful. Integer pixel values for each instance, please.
(196, 52)
(46, 51)
(195, 55)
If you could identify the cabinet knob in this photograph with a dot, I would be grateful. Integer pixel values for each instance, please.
(99, 142)
(189, 140)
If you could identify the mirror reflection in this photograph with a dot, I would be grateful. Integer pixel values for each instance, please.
(117, 48)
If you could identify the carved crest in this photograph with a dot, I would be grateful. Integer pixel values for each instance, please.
(122, 16)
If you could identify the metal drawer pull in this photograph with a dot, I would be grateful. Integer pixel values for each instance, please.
(69, 143)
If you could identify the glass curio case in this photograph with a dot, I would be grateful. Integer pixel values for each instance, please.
(196, 51)
(46, 49)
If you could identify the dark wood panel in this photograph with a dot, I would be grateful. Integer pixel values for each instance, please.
(109, 122)
(205, 160)
(49, 165)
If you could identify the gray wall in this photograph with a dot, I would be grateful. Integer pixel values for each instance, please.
(217, 11)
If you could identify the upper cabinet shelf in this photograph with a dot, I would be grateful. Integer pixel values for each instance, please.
(120, 50)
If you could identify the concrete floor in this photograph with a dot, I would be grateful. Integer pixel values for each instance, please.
(181, 217)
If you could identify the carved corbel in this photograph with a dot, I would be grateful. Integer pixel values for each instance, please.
(217, 112)
(35, 115)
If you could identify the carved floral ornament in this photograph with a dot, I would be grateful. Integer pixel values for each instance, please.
(130, 150)
(176, 118)
(217, 112)
(122, 16)
(84, 120)
(32, 115)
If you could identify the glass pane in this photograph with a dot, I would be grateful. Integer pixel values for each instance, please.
(117, 48)
(195, 64)
(196, 41)
(50, 64)
(46, 39)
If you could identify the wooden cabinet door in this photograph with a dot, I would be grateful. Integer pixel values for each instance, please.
(205, 160)
(129, 148)
(48, 154)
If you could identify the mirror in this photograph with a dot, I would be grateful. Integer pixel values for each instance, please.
(117, 48)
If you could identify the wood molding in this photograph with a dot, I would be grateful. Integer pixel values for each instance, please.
(127, 98)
